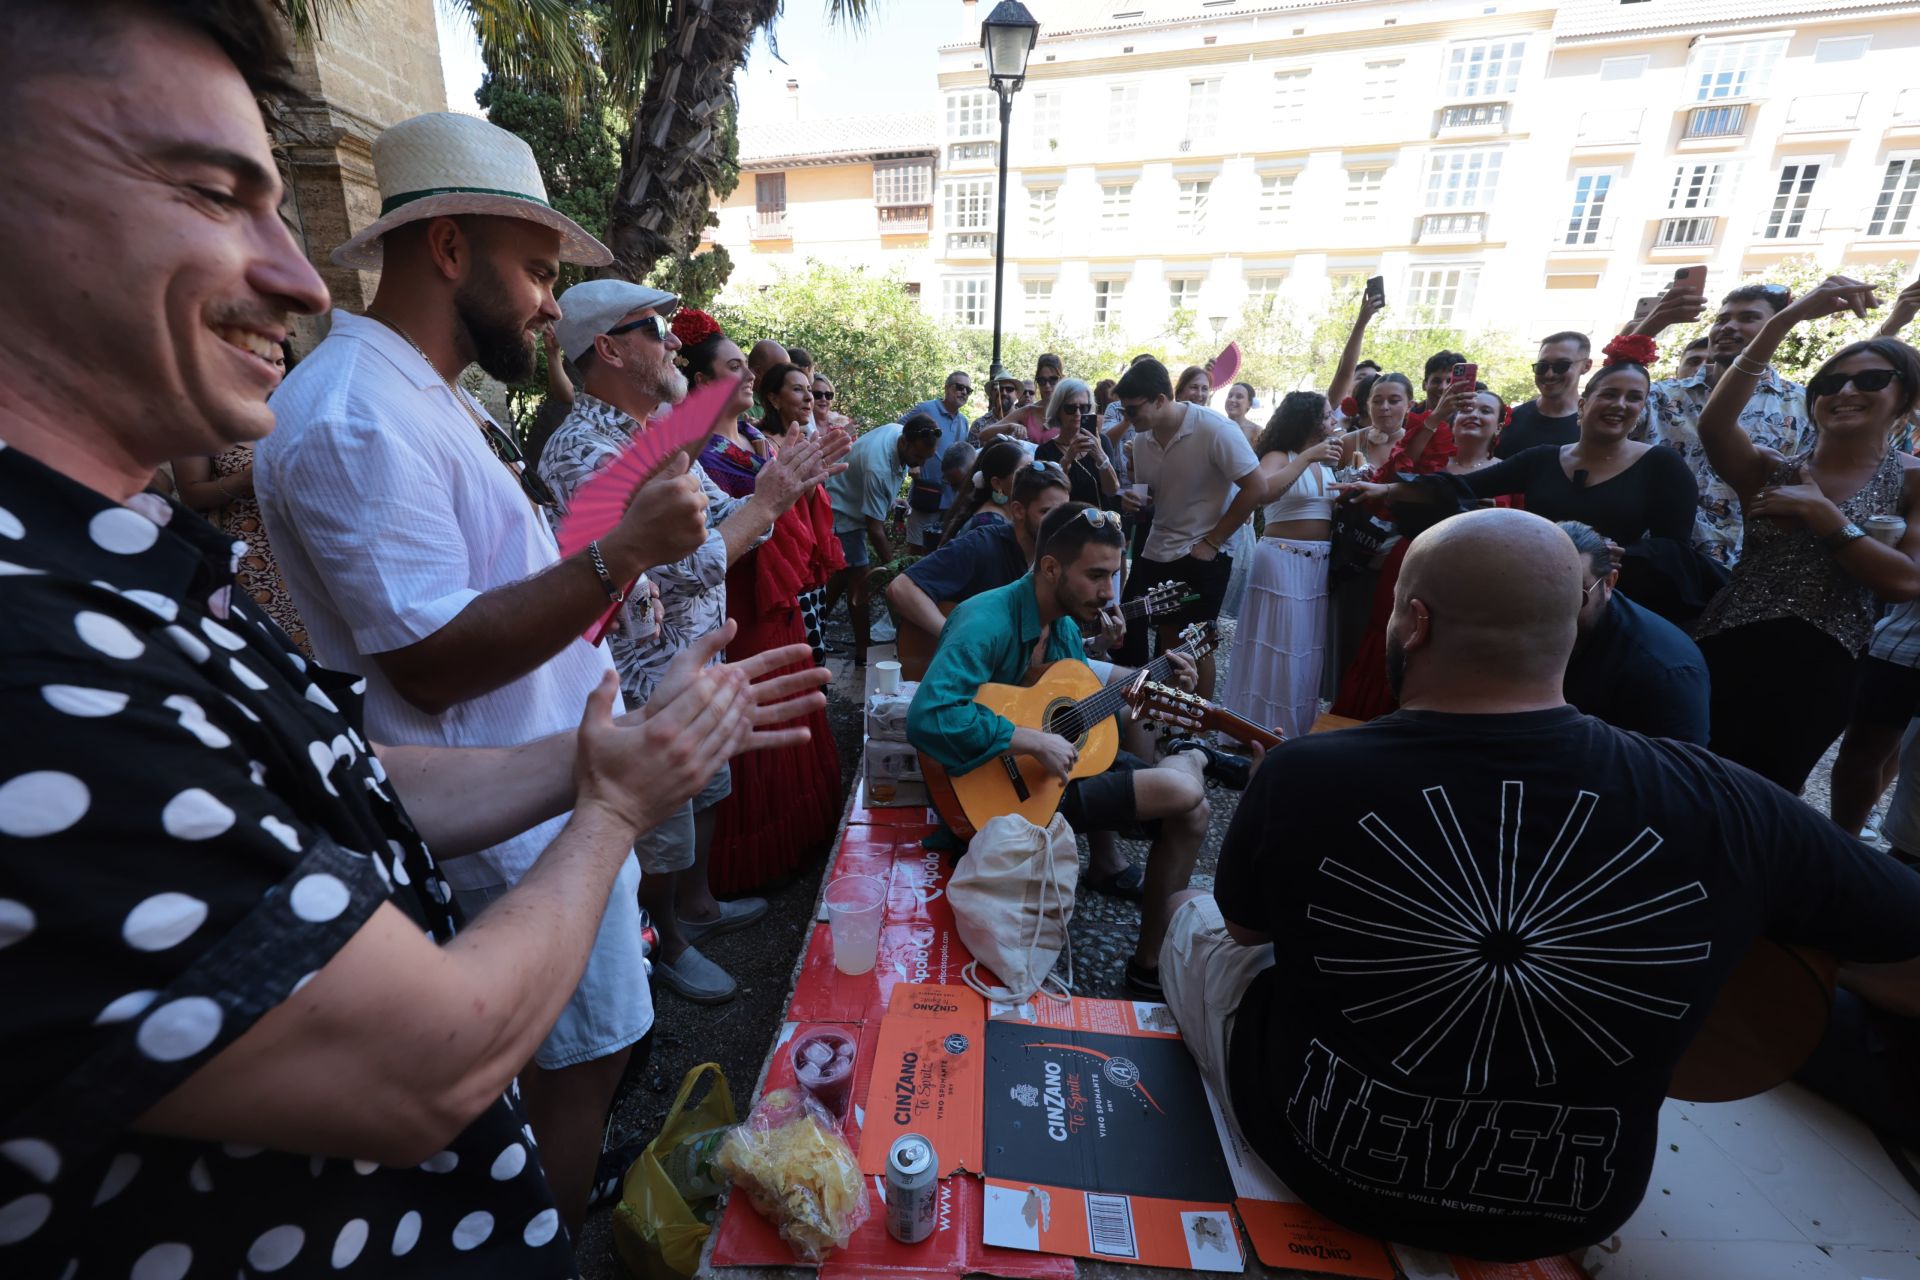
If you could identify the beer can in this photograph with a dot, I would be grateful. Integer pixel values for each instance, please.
(1887, 529)
(912, 1184)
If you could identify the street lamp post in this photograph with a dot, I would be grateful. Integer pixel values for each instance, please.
(1008, 35)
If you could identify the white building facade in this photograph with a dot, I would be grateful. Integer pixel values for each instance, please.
(1517, 165)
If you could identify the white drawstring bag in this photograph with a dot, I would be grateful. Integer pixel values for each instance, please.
(1012, 899)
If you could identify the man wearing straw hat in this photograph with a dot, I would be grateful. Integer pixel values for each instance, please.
(417, 542)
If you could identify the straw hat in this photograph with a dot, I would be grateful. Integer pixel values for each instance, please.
(440, 164)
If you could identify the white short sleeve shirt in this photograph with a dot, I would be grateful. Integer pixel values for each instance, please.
(1194, 478)
(389, 514)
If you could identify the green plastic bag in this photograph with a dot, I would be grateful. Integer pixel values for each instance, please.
(657, 1233)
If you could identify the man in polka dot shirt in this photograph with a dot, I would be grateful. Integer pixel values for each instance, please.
(247, 1028)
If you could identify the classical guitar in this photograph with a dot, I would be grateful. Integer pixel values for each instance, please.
(915, 645)
(1066, 698)
(1182, 710)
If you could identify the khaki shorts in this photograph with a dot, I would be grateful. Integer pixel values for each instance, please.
(1204, 973)
(669, 846)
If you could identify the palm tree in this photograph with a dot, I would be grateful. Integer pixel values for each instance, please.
(673, 61)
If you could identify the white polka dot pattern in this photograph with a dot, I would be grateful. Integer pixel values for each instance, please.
(108, 635)
(82, 702)
(319, 898)
(41, 803)
(276, 1248)
(122, 532)
(162, 921)
(179, 1029)
(16, 921)
(195, 814)
(472, 1231)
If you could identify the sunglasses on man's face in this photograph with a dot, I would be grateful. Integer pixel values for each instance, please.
(961, 387)
(1866, 381)
(654, 327)
(1128, 410)
(1541, 367)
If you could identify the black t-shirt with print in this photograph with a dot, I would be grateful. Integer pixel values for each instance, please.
(1531, 427)
(1494, 937)
(191, 825)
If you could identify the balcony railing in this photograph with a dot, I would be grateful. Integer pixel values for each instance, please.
(1790, 224)
(1716, 122)
(1615, 125)
(1819, 112)
(903, 218)
(771, 224)
(1473, 115)
(1451, 228)
(1685, 233)
(970, 244)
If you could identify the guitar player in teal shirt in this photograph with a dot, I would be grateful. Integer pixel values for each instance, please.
(996, 638)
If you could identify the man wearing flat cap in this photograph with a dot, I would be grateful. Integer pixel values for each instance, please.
(418, 545)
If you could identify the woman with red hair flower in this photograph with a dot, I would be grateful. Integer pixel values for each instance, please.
(785, 804)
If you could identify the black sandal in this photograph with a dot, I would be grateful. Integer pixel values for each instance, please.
(1128, 884)
(1222, 768)
(1143, 983)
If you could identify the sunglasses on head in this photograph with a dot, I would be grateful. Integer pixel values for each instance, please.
(1552, 366)
(1097, 517)
(1048, 468)
(654, 327)
(1866, 381)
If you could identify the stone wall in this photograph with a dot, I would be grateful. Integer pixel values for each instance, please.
(378, 64)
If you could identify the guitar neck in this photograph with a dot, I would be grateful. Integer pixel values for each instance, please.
(1242, 730)
(1098, 706)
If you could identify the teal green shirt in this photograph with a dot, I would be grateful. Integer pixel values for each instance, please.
(988, 640)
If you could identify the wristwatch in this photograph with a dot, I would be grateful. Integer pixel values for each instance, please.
(1845, 536)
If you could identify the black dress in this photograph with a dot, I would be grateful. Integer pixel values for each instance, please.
(1655, 497)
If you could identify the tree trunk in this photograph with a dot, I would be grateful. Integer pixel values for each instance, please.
(673, 153)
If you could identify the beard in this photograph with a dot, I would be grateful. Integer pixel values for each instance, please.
(502, 344)
(663, 382)
(1396, 665)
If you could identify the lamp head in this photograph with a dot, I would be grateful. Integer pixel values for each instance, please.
(1008, 35)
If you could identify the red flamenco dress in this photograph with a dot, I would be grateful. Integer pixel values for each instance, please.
(1364, 692)
(785, 804)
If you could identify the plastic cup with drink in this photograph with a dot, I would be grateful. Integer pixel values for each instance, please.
(854, 908)
(823, 1066)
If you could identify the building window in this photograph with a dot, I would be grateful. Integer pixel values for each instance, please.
(1107, 296)
(1203, 108)
(1734, 68)
(1290, 96)
(769, 203)
(1788, 217)
(1474, 115)
(966, 300)
(1631, 68)
(1442, 295)
(1276, 198)
(1685, 233)
(1717, 122)
(970, 114)
(961, 152)
(1039, 303)
(1893, 208)
(1046, 120)
(1116, 203)
(1042, 205)
(1488, 70)
(1363, 194)
(898, 184)
(1462, 179)
(1378, 87)
(1263, 292)
(1183, 293)
(1842, 48)
(1123, 109)
(969, 204)
(1191, 214)
(1696, 186)
(1586, 223)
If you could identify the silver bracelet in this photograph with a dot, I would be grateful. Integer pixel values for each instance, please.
(1760, 372)
(607, 584)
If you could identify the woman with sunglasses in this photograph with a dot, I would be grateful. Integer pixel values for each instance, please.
(1800, 606)
(785, 803)
(823, 414)
(1076, 445)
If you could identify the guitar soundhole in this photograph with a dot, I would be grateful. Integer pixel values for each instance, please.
(1066, 721)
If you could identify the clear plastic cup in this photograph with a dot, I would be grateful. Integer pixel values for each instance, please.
(854, 908)
(823, 1066)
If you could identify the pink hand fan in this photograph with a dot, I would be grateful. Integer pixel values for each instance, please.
(1225, 365)
(603, 500)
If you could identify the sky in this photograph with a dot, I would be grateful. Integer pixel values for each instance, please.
(886, 69)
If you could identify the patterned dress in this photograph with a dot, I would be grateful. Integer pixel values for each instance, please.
(259, 576)
(785, 804)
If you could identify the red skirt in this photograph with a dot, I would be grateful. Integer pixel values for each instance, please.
(1364, 692)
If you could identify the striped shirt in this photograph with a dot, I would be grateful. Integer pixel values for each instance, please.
(389, 515)
(1896, 638)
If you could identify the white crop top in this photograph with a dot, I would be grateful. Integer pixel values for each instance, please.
(1308, 499)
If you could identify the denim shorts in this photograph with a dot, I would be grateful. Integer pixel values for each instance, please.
(669, 846)
(613, 1006)
(854, 543)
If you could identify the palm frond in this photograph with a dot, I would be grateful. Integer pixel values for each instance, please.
(537, 42)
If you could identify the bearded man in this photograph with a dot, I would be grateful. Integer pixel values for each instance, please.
(416, 543)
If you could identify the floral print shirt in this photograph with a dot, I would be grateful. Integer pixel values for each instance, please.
(1775, 417)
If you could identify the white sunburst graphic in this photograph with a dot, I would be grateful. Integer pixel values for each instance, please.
(1498, 957)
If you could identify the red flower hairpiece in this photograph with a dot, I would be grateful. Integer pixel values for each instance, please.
(1631, 348)
(692, 325)
(1506, 419)
(1350, 407)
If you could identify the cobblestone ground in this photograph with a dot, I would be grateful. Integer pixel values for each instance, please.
(737, 1035)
